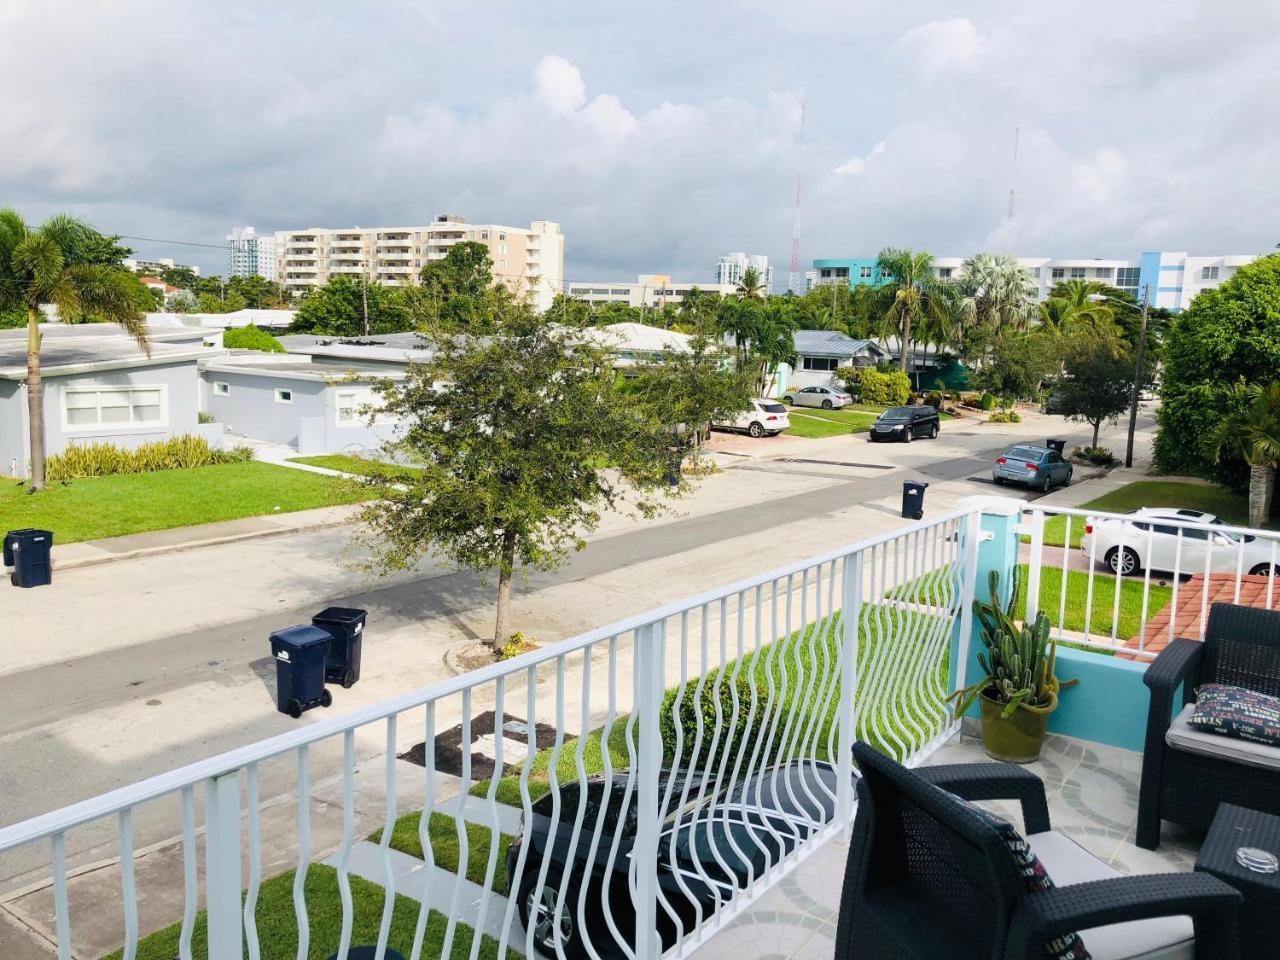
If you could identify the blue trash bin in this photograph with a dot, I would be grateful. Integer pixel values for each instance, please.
(913, 499)
(28, 552)
(300, 653)
(346, 626)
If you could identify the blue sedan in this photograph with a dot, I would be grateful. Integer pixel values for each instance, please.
(1039, 467)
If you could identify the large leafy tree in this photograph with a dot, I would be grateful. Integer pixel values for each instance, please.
(337, 309)
(66, 263)
(911, 295)
(1097, 380)
(1251, 432)
(529, 443)
(1018, 364)
(458, 291)
(1227, 334)
(762, 335)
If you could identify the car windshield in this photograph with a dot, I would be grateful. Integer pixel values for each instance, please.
(773, 408)
(1032, 454)
(897, 413)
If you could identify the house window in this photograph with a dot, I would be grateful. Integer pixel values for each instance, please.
(347, 407)
(117, 406)
(1209, 273)
(283, 395)
(221, 389)
(1127, 277)
(819, 364)
(864, 273)
(484, 234)
(1102, 273)
(1077, 273)
(944, 273)
(502, 236)
(1058, 273)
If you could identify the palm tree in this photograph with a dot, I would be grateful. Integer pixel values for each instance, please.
(999, 292)
(1251, 431)
(751, 286)
(911, 294)
(54, 264)
(1080, 305)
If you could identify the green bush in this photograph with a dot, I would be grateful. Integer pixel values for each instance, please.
(251, 338)
(934, 399)
(891, 389)
(1005, 416)
(988, 401)
(1098, 456)
(204, 416)
(106, 459)
(745, 728)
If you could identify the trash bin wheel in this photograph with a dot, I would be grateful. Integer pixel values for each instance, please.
(919, 515)
(326, 699)
(294, 707)
(348, 680)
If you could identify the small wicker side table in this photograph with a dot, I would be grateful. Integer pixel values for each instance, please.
(1234, 827)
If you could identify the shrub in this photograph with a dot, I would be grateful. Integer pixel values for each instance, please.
(971, 399)
(934, 399)
(204, 416)
(516, 645)
(1098, 456)
(107, 459)
(988, 401)
(1005, 416)
(880, 389)
(251, 338)
(690, 706)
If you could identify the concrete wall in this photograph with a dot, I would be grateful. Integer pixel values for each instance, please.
(250, 408)
(320, 435)
(13, 442)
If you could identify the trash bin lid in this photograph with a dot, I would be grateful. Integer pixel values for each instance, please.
(303, 635)
(28, 534)
(340, 614)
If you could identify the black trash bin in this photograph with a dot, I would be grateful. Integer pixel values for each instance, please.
(913, 499)
(369, 953)
(1059, 445)
(27, 551)
(346, 626)
(300, 653)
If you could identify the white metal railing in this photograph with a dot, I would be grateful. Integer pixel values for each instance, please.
(665, 770)
(1127, 582)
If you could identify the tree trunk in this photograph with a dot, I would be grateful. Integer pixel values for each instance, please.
(905, 346)
(502, 628)
(1260, 480)
(35, 399)
(1096, 427)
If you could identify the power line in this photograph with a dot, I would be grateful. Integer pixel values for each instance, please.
(181, 243)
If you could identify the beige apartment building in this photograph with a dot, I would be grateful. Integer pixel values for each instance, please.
(649, 290)
(526, 260)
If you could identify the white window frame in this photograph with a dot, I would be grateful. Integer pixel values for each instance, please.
(355, 407)
(279, 391)
(132, 426)
(221, 388)
(1208, 273)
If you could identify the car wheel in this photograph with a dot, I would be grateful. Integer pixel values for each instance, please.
(933, 434)
(1123, 566)
(998, 481)
(539, 911)
(908, 435)
(756, 430)
(1265, 570)
(826, 404)
(789, 400)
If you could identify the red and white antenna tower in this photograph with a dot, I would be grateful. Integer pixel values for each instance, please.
(793, 282)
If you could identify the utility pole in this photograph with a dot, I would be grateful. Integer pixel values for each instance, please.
(1137, 375)
(364, 300)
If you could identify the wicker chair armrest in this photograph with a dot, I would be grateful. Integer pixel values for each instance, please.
(994, 781)
(1173, 665)
(1210, 902)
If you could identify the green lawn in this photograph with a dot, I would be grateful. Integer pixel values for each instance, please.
(1230, 506)
(360, 466)
(278, 930)
(812, 424)
(442, 830)
(95, 507)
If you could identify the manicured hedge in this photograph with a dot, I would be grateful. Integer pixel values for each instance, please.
(106, 459)
(251, 338)
(890, 389)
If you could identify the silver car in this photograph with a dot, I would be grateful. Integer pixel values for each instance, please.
(825, 397)
(1037, 467)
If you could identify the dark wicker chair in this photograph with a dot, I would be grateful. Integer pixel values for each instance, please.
(929, 877)
(1241, 648)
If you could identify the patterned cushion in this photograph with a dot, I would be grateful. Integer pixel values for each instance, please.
(1066, 947)
(1237, 712)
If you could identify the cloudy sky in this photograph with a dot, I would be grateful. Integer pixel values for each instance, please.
(661, 135)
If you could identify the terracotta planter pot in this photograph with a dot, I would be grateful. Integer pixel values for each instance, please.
(1019, 738)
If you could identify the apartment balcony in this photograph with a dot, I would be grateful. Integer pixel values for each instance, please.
(721, 726)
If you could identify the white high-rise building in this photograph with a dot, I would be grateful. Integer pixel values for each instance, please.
(732, 266)
(250, 255)
(153, 267)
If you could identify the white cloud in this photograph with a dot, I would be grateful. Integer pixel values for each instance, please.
(560, 84)
(857, 165)
(941, 44)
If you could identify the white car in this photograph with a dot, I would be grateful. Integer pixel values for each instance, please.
(762, 418)
(1152, 541)
(825, 397)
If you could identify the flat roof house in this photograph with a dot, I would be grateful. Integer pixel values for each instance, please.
(99, 387)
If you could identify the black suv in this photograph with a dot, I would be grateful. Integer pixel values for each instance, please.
(905, 423)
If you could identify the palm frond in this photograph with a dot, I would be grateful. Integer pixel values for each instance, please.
(108, 295)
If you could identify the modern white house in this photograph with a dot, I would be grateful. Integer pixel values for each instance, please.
(99, 387)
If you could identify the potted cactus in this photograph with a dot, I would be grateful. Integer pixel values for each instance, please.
(1018, 689)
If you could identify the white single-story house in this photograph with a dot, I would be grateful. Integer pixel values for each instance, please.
(820, 353)
(314, 404)
(99, 387)
(637, 343)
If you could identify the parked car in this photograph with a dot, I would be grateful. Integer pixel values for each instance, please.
(763, 417)
(708, 849)
(905, 423)
(1040, 467)
(825, 397)
(1054, 402)
(1151, 541)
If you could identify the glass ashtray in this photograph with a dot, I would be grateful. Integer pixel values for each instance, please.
(1257, 860)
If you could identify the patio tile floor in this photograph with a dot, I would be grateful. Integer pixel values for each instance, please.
(1093, 798)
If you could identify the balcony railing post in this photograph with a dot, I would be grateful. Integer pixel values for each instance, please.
(649, 649)
(968, 590)
(851, 617)
(222, 865)
(1035, 528)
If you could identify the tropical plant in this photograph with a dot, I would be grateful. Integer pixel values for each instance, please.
(911, 298)
(339, 308)
(1081, 307)
(751, 285)
(107, 459)
(251, 337)
(1251, 432)
(60, 263)
(875, 387)
(763, 336)
(1018, 663)
(997, 292)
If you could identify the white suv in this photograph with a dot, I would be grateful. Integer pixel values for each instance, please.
(763, 417)
(1152, 541)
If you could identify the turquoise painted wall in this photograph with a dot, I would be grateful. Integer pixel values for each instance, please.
(855, 267)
